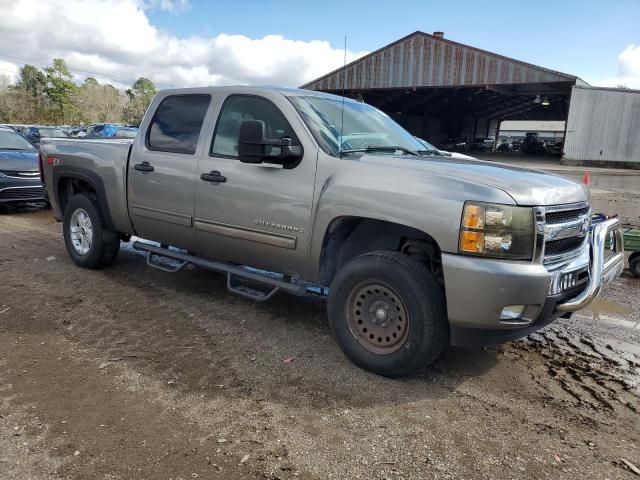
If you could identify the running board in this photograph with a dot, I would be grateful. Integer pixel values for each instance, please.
(232, 272)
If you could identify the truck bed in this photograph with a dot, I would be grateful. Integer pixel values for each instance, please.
(104, 160)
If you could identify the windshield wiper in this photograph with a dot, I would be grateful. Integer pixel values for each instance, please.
(386, 148)
(433, 152)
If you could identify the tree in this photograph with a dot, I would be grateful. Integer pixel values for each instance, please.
(60, 87)
(5, 110)
(139, 97)
(31, 83)
(98, 103)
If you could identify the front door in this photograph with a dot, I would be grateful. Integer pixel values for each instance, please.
(162, 172)
(254, 214)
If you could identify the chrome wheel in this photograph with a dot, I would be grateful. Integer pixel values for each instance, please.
(81, 231)
(377, 318)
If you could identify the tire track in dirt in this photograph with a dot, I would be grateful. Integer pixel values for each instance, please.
(591, 372)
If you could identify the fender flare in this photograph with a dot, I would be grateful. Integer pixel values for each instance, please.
(61, 172)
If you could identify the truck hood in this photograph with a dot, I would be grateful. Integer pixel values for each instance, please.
(526, 186)
(18, 160)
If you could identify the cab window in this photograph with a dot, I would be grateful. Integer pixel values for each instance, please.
(238, 108)
(177, 123)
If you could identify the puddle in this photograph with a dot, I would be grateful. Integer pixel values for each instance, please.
(614, 206)
(603, 306)
(609, 312)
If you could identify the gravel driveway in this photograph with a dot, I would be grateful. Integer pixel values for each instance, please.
(132, 373)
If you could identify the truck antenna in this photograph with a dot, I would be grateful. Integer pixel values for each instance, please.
(344, 77)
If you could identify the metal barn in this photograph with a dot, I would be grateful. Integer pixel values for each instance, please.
(442, 90)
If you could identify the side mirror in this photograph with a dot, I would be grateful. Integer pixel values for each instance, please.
(253, 147)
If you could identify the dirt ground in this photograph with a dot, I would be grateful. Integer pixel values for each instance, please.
(132, 373)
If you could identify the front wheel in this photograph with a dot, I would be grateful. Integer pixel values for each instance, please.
(89, 241)
(634, 264)
(388, 313)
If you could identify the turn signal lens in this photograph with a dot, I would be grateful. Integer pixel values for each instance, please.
(472, 241)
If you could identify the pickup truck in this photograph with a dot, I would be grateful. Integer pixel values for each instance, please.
(300, 191)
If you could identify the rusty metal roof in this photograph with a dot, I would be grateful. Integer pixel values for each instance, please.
(422, 60)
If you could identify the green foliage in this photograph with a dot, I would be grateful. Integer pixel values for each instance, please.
(59, 88)
(139, 97)
(50, 96)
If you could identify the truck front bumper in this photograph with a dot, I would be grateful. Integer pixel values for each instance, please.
(483, 294)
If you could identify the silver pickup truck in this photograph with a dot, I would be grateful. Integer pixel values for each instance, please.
(299, 191)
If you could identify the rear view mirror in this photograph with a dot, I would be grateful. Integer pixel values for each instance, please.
(253, 147)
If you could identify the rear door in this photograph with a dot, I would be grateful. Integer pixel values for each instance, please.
(162, 171)
(257, 214)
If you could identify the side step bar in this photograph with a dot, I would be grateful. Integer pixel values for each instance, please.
(232, 271)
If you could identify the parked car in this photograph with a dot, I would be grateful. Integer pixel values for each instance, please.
(126, 132)
(453, 145)
(555, 149)
(415, 251)
(515, 145)
(504, 147)
(35, 133)
(19, 173)
(481, 145)
(110, 130)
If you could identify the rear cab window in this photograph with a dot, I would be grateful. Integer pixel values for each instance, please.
(177, 123)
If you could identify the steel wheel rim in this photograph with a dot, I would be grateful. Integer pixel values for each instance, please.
(81, 231)
(377, 318)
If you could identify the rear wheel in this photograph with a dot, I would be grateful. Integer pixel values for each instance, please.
(388, 313)
(89, 242)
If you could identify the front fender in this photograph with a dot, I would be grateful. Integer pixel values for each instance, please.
(426, 202)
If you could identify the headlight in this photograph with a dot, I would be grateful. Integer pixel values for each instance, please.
(498, 231)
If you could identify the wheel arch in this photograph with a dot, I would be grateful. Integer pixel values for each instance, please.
(346, 237)
(68, 181)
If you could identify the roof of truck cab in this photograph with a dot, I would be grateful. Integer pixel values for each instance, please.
(286, 91)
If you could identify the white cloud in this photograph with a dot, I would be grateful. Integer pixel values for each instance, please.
(114, 38)
(628, 69)
(172, 6)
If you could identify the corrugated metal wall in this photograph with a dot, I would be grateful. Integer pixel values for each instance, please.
(422, 60)
(603, 125)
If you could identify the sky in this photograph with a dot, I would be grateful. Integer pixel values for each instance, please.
(179, 43)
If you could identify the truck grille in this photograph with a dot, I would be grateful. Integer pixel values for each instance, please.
(553, 218)
(26, 193)
(566, 230)
(558, 247)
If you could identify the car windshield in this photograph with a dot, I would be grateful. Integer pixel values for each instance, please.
(365, 128)
(10, 140)
(52, 133)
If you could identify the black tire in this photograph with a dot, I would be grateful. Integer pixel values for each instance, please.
(634, 264)
(105, 243)
(426, 328)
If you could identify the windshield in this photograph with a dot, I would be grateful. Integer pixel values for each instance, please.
(365, 127)
(52, 133)
(10, 140)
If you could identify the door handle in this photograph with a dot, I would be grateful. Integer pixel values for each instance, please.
(214, 176)
(143, 167)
